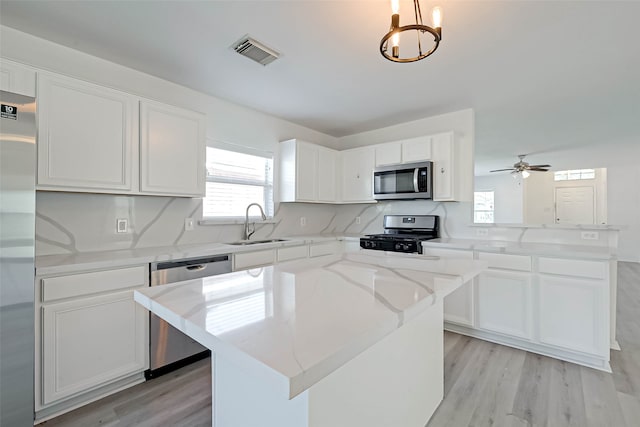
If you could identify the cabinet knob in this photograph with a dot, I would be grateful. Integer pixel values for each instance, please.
(441, 170)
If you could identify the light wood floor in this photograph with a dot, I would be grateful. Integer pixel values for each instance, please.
(485, 385)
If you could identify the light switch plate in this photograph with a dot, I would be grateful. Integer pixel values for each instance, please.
(357, 220)
(122, 225)
(590, 235)
(188, 224)
(482, 232)
(303, 221)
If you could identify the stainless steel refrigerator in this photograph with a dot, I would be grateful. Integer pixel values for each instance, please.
(17, 238)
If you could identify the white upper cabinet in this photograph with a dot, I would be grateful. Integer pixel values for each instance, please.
(389, 153)
(307, 172)
(100, 140)
(444, 170)
(172, 150)
(357, 174)
(404, 151)
(416, 149)
(86, 136)
(327, 173)
(17, 78)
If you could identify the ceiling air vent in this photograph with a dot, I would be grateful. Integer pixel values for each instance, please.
(255, 50)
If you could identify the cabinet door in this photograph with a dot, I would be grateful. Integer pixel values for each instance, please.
(388, 154)
(90, 342)
(172, 150)
(504, 303)
(86, 136)
(17, 78)
(326, 175)
(246, 260)
(443, 171)
(416, 149)
(357, 174)
(306, 172)
(574, 314)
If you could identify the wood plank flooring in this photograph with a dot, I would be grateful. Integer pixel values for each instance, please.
(485, 385)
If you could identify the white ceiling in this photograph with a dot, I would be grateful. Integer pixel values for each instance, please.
(541, 75)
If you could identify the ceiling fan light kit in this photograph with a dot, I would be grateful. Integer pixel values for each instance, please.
(523, 168)
(419, 28)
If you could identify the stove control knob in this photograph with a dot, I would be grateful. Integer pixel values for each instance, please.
(398, 246)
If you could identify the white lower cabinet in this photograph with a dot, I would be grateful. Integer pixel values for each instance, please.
(90, 341)
(260, 258)
(504, 300)
(91, 337)
(572, 314)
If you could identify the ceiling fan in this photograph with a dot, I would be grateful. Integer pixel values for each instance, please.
(523, 167)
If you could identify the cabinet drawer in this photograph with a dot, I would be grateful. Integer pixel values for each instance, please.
(253, 259)
(75, 285)
(296, 252)
(327, 248)
(507, 262)
(447, 253)
(572, 267)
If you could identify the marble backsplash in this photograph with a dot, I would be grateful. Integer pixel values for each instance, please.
(78, 222)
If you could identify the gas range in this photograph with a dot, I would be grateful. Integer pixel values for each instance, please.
(403, 233)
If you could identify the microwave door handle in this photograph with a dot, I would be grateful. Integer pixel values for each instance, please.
(415, 180)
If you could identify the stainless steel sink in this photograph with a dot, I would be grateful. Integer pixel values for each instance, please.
(255, 242)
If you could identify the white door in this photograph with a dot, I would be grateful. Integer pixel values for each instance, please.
(357, 174)
(504, 303)
(307, 172)
(89, 342)
(572, 314)
(86, 136)
(172, 150)
(326, 174)
(575, 205)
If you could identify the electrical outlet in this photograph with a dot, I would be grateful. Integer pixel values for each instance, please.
(303, 221)
(188, 224)
(590, 235)
(122, 225)
(482, 232)
(357, 220)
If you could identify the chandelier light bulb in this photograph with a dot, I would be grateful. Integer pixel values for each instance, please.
(436, 14)
(525, 174)
(395, 40)
(395, 7)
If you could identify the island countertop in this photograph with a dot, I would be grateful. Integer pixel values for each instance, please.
(297, 322)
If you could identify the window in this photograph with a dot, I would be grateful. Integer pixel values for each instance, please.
(574, 174)
(234, 180)
(483, 207)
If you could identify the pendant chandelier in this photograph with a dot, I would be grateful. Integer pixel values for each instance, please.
(393, 36)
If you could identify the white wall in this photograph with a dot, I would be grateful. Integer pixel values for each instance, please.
(539, 196)
(226, 121)
(508, 196)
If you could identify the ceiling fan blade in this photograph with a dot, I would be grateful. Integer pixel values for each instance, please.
(538, 170)
(500, 170)
(539, 166)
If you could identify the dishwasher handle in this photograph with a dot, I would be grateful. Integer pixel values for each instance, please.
(196, 267)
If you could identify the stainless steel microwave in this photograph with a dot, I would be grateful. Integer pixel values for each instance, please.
(406, 181)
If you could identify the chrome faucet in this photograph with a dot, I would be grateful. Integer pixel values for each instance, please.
(248, 234)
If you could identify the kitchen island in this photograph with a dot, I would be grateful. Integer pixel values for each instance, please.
(342, 340)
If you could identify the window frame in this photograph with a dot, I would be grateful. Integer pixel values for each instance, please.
(268, 186)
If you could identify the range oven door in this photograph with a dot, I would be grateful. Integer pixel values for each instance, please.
(408, 181)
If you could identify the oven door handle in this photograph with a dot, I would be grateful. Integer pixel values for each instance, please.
(415, 180)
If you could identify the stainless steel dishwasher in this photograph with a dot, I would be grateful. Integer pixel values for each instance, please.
(170, 349)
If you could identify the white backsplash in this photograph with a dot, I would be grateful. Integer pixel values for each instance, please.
(73, 223)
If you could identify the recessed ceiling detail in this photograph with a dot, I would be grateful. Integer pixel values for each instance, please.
(255, 51)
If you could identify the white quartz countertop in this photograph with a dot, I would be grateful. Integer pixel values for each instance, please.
(524, 248)
(70, 263)
(299, 321)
